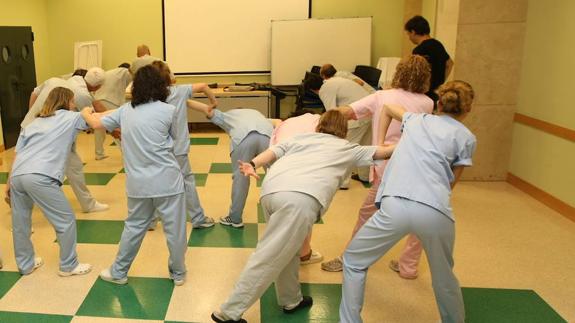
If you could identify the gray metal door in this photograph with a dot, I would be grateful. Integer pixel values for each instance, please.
(17, 79)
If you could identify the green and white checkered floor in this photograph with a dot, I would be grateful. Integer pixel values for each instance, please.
(514, 257)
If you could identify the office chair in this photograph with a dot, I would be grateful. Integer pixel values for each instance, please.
(306, 98)
(368, 74)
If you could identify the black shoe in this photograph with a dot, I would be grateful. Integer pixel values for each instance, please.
(356, 178)
(219, 320)
(307, 301)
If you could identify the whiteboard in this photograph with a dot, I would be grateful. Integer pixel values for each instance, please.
(297, 45)
(223, 36)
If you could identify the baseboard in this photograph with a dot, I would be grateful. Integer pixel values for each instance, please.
(551, 201)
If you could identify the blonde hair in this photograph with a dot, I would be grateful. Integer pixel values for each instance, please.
(59, 98)
(412, 74)
(164, 70)
(456, 97)
(334, 123)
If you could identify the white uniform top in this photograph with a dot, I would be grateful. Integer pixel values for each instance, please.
(44, 145)
(179, 94)
(82, 96)
(314, 164)
(142, 61)
(114, 88)
(420, 167)
(338, 91)
(147, 148)
(351, 76)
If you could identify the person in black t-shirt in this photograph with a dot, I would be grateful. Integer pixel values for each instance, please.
(417, 29)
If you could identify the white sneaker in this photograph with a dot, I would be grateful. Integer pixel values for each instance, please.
(107, 276)
(312, 258)
(38, 262)
(81, 269)
(98, 207)
(179, 282)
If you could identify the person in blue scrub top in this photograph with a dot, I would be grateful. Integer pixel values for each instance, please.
(154, 181)
(36, 178)
(179, 95)
(414, 197)
(250, 134)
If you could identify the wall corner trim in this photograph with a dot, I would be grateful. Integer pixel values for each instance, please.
(549, 200)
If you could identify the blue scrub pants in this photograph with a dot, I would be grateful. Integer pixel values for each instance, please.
(46, 192)
(396, 218)
(172, 211)
(251, 146)
(290, 217)
(193, 206)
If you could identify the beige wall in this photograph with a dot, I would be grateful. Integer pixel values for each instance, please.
(546, 93)
(122, 26)
(489, 48)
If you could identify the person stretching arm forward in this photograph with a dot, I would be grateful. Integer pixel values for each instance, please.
(250, 133)
(414, 197)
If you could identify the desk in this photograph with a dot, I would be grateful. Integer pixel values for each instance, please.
(257, 100)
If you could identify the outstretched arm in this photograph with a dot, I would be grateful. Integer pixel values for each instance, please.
(347, 112)
(204, 88)
(92, 118)
(33, 98)
(99, 106)
(457, 171)
(267, 157)
(203, 108)
(383, 152)
(388, 112)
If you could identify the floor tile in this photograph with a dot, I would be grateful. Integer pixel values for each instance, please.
(204, 141)
(206, 288)
(201, 179)
(507, 305)
(325, 309)
(260, 180)
(221, 236)
(96, 178)
(97, 231)
(7, 280)
(92, 319)
(19, 317)
(141, 298)
(221, 168)
(3, 177)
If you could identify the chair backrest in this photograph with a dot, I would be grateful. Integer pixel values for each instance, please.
(315, 69)
(312, 81)
(369, 74)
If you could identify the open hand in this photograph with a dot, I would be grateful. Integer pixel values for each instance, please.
(247, 169)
